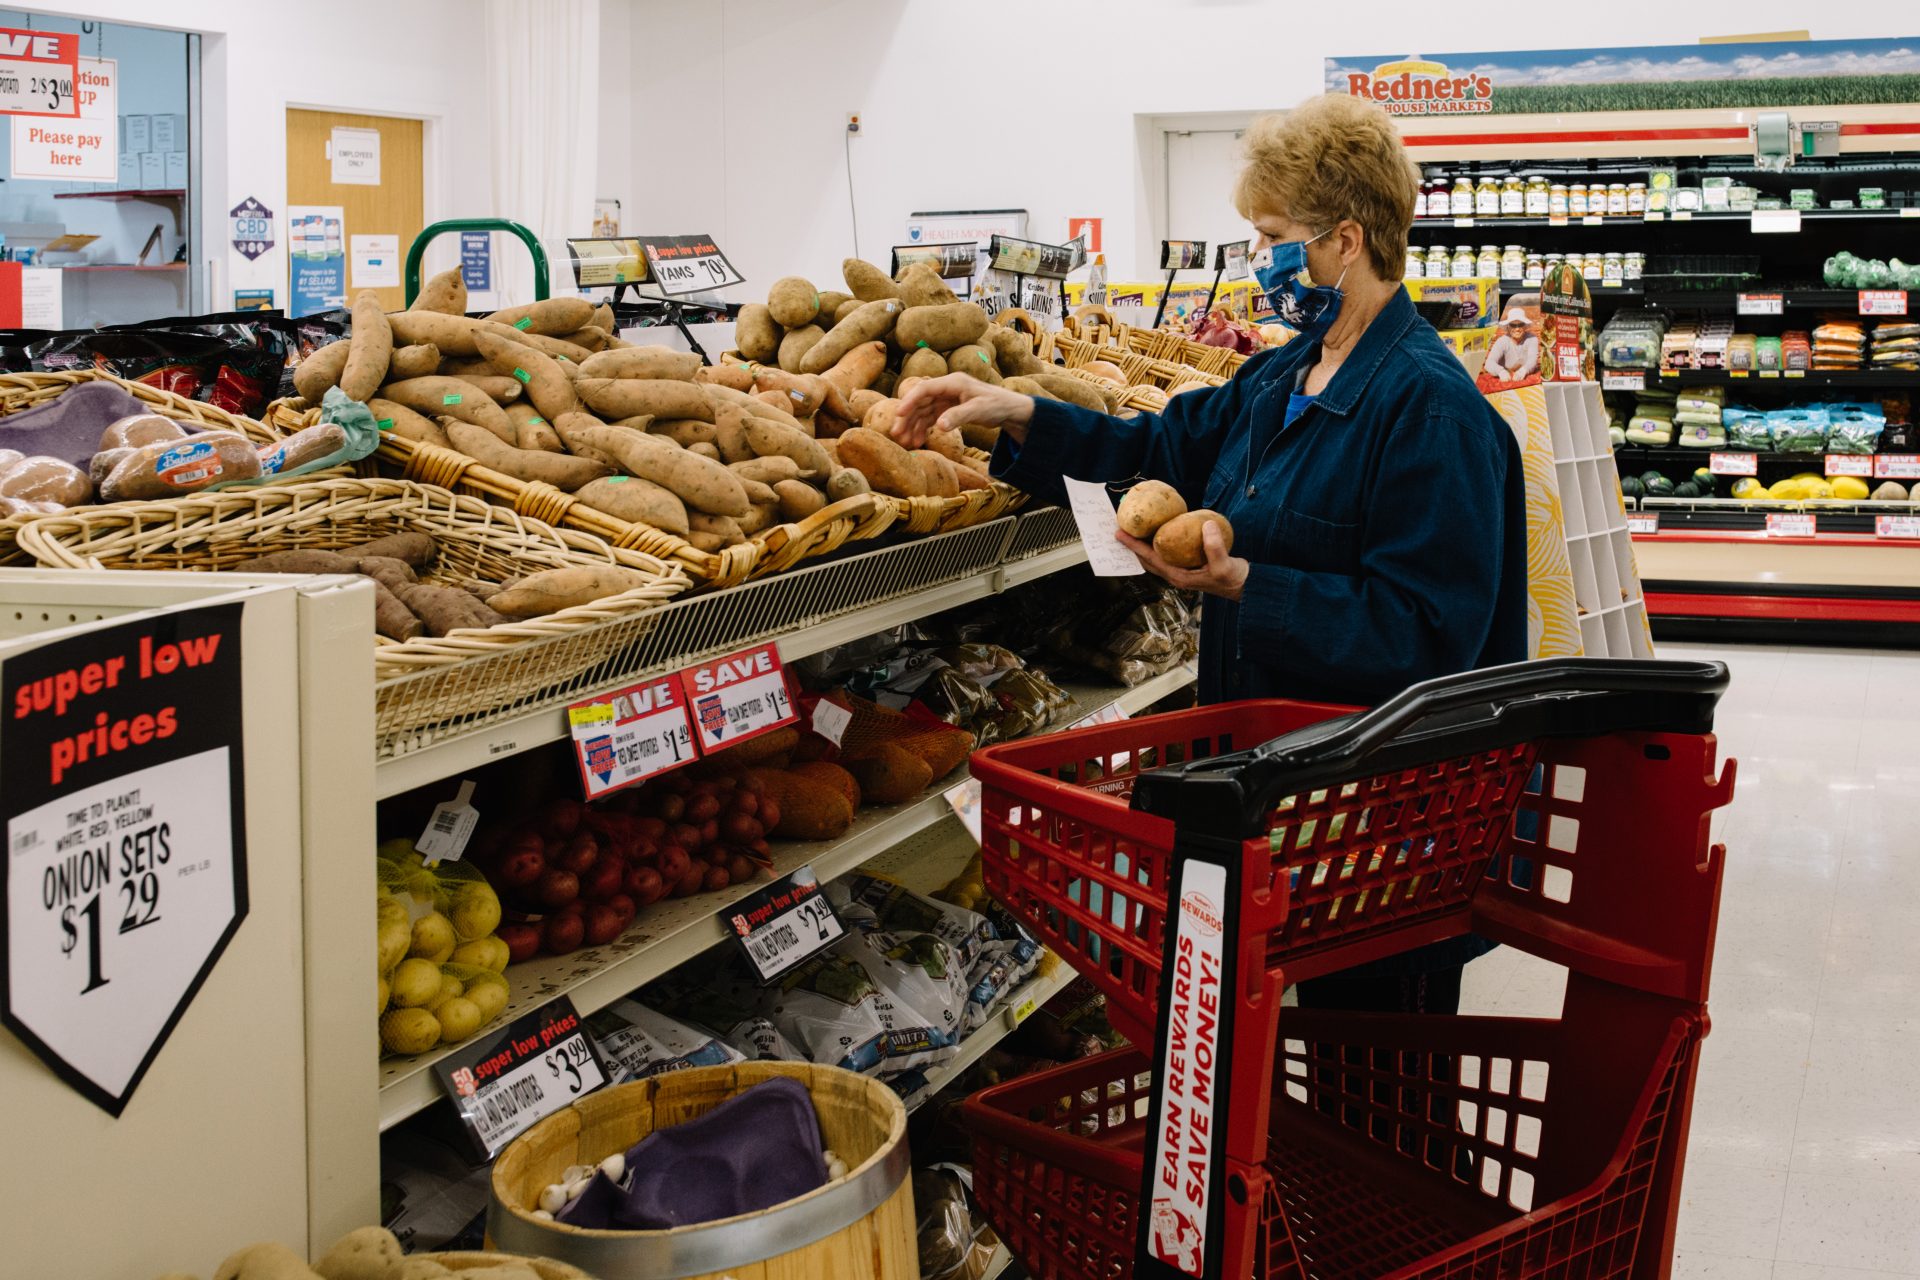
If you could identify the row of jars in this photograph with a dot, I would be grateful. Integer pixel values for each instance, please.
(1514, 262)
(1529, 196)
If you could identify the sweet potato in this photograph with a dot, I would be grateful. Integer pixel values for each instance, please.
(864, 324)
(771, 745)
(846, 309)
(769, 470)
(845, 483)
(642, 362)
(793, 302)
(417, 361)
(760, 516)
(923, 363)
(936, 473)
(770, 439)
(940, 328)
(754, 406)
(805, 392)
(866, 281)
(705, 449)
(975, 361)
(830, 775)
(880, 416)
(887, 467)
(809, 809)
(552, 590)
(560, 349)
(1064, 386)
(861, 401)
(391, 617)
(685, 432)
(532, 429)
(603, 317)
(755, 333)
(452, 335)
(370, 349)
(890, 775)
(737, 376)
(730, 433)
(795, 345)
(446, 609)
(1147, 506)
(443, 397)
(446, 292)
(921, 286)
(656, 397)
(502, 390)
(407, 424)
(855, 371)
(636, 501)
(557, 469)
(1179, 541)
(414, 550)
(798, 499)
(592, 338)
(551, 316)
(831, 300)
(547, 384)
(322, 369)
(943, 750)
(306, 560)
(758, 492)
(701, 483)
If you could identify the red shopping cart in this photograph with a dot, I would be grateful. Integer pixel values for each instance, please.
(1559, 807)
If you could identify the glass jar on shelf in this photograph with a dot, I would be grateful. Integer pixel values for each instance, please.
(1488, 263)
(1416, 267)
(1591, 266)
(1613, 267)
(1538, 202)
(1513, 196)
(1513, 262)
(1440, 197)
(1439, 261)
(1636, 198)
(1634, 266)
(1617, 199)
(1460, 203)
(1486, 197)
(1463, 262)
(1536, 269)
(1557, 200)
(1578, 202)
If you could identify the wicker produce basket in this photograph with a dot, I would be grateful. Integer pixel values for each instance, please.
(475, 668)
(22, 391)
(781, 547)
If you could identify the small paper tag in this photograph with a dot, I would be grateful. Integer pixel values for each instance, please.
(503, 1083)
(1623, 381)
(964, 799)
(1759, 304)
(450, 827)
(1774, 220)
(1883, 302)
(630, 735)
(1897, 466)
(1902, 527)
(1093, 513)
(737, 697)
(830, 720)
(1643, 522)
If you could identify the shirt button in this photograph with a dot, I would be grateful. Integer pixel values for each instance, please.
(1252, 489)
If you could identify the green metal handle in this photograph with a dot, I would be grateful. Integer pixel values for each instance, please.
(438, 229)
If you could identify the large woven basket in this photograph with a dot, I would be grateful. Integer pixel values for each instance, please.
(22, 391)
(475, 540)
(770, 551)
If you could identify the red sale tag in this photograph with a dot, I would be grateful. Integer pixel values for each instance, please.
(1849, 464)
(1759, 304)
(1790, 524)
(1722, 463)
(1883, 302)
(1897, 466)
(1904, 527)
(630, 735)
(737, 697)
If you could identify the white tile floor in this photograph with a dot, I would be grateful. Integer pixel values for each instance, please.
(1804, 1162)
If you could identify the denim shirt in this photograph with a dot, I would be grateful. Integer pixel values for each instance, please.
(1385, 526)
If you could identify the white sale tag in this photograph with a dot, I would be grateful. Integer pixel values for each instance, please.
(1093, 514)
(1722, 463)
(1643, 522)
(830, 720)
(1760, 304)
(450, 827)
(1849, 464)
(1790, 524)
(629, 735)
(1765, 221)
(1897, 466)
(1903, 527)
(783, 924)
(1611, 381)
(737, 697)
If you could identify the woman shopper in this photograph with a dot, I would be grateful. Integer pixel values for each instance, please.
(1376, 499)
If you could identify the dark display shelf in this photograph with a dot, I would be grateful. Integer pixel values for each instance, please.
(1617, 222)
(1864, 379)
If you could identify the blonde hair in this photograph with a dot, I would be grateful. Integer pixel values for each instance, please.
(1333, 158)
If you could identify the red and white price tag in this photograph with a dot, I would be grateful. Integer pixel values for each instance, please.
(1611, 381)
(737, 697)
(1849, 464)
(1902, 527)
(1643, 522)
(630, 735)
(1790, 524)
(1723, 463)
(1760, 304)
(1897, 466)
(1883, 302)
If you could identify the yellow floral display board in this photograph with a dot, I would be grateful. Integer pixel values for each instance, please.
(1553, 619)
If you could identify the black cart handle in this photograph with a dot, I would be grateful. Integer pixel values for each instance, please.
(1439, 719)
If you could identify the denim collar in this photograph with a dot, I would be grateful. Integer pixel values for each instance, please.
(1357, 370)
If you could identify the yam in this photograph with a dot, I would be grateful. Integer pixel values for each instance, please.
(603, 317)
(547, 384)
(846, 309)
(445, 293)
(452, 335)
(921, 286)
(923, 363)
(768, 470)
(1064, 386)
(730, 433)
(864, 324)
(771, 745)
(891, 775)
(967, 478)
(415, 550)
(705, 449)
(855, 371)
(809, 809)
(948, 444)
(569, 425)
(880, 416)
(793, 302)
(391, 617)
(737, 376)
(388, 570)
(322, 369)
(828, 774)
(759, 517)
(806, 392)
(975, 361)
(370, 349)
(795, 345)
(1012, 350)
(499, 389)
(443, 397)
(846, 483)
(1147, 506)
(557, 469)
(416, 361)
(685, 432)
(755, 333)
(831, 300)
(940, 328)
(532, 429)
(943, 751)
(552, 590)
(936, 474)
(591, 338)
(798, 499)
(550, 316)
(702, 483)
(1026, 386)
(755, 407)
(566, 352)
(711, 533)
(447, 609)
(643, 362)
(759, 492)
(1179, 540)
(655, 397)
(867, 282)
(888, 468)
(636, 501)
(863, 400)
(771, 439)
(306, 560)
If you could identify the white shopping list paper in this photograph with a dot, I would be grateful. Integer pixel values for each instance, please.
(1093, 515)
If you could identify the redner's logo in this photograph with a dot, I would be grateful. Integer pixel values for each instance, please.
(1419, 87)
(1203, 911)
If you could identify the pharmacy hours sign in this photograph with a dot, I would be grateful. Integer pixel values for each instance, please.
(125, 830)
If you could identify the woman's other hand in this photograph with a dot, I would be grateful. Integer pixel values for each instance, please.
(1222, 575)
(948, 402)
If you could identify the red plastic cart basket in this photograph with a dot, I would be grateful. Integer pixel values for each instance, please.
(1558, 807)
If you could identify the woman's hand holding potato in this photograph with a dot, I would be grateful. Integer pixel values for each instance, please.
(946, 403)
(1221, 575)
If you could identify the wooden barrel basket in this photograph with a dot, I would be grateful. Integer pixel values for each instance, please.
(859, 1227)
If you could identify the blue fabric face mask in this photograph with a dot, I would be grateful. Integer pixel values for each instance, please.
(1307, 309)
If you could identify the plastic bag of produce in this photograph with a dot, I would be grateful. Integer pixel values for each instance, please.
(1746, 429)
(1646, 430)
(868, 902)
(1800, 429)
(922, 981)
(955, 1243)
(1854, 428)
(638, 1042)
(727, 1005)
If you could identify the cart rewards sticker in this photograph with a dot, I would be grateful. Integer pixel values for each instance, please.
(630, 735)
(124, 806)
(783, 924)
(503, 1084)
(737, 697)
(1189, 1065)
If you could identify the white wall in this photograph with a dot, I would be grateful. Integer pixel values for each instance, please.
(737, 107)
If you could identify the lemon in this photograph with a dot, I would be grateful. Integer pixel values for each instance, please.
(409, 1031)
(432, 937)
(458, 1018)
(476, 912)
(415, 982)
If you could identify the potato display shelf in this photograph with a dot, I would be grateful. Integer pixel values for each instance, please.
(674, 931)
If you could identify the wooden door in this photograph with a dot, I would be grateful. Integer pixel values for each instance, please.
(393, 207)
